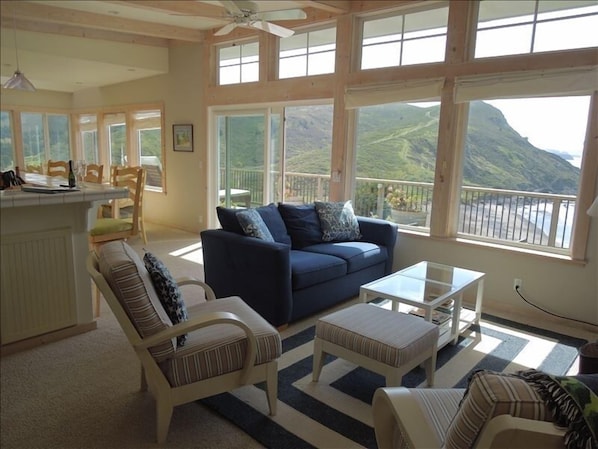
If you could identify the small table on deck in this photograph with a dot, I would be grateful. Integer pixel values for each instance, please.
(427, 286)
(240, 195)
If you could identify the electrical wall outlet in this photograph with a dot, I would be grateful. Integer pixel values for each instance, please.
(517, 284)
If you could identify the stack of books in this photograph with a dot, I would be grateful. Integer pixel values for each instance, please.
(446, 307)
(437, 316)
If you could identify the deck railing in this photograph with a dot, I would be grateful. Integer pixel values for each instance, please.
(521, 217)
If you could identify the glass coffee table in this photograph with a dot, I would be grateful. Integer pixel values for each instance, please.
(434, 292)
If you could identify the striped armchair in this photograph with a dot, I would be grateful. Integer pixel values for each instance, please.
(227, 344)
(496, 411)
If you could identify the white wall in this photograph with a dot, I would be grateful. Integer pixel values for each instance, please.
(562, 287)
(182, 204)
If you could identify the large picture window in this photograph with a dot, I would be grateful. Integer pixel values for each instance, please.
(395, 161)
(45, 137)
(521, 170)
(7, 149)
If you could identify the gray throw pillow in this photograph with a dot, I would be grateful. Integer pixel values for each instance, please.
(168, 291)
(338, 221)
(253, 225)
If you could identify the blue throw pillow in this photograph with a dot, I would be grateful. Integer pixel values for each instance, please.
(273, 220)
(228, 219)
(253, 224)
(338, 221)
(168, 291)
(270, 214)
(302, 223)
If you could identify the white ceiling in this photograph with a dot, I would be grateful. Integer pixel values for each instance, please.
(73, 45)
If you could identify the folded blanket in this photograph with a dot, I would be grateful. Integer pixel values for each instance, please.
(574, 403)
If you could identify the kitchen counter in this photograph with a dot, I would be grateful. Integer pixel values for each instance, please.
(45, 287)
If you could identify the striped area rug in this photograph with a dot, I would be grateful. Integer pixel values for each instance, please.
(335, 412)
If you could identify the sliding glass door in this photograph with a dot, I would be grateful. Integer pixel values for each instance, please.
(248, 148)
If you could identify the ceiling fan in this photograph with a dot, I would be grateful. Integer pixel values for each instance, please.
(245, 14)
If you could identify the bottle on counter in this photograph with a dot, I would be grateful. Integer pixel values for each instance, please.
(72, 179)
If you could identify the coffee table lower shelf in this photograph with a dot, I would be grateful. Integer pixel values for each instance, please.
(466, 319)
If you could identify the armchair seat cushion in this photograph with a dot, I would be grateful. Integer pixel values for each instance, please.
(357, 254)
(220, 349)
(111, 226)
(310, 268)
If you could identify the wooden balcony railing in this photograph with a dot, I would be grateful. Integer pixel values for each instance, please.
(524, 218)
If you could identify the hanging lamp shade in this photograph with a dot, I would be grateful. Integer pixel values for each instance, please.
(19, 81)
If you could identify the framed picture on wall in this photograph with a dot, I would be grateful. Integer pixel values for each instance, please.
(182, 137)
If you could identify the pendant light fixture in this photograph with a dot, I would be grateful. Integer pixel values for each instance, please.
(18, 79)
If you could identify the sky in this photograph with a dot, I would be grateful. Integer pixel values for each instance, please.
(549, 123)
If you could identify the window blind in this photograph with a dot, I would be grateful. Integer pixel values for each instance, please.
(413, 90)
(530, 84)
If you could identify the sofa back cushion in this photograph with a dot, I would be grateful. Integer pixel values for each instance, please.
(302, 223)
(490, 394)
(132, 285)
(269, 213)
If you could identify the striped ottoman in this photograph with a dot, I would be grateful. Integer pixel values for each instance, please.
(386, 342)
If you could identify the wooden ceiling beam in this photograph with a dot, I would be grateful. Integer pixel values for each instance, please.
(43, 13)
(177, 7)
(334, 6)
(84, 32)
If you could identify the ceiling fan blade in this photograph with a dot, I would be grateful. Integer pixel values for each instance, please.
(288, 14)
(225, 29)
(239, 6)
(231, 6)
(272, 28)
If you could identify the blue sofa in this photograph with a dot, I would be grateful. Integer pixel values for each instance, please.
(297, 274)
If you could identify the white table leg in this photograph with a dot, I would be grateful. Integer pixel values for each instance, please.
(478, 301)
(456, 318)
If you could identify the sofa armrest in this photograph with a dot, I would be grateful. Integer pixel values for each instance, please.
(381, 232)
(257, 271)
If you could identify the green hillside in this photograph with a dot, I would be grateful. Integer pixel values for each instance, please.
(398, 141)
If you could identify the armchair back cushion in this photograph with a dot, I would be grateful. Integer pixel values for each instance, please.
(132, 285)
(491, 394)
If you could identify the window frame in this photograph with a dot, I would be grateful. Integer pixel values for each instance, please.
(399, 14)
(132, 151)
(307, 53)
(240, 64)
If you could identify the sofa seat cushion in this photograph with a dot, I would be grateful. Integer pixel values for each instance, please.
(357, 254)
(221, 348)
(310, 268)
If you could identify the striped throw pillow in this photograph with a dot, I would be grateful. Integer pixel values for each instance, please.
(490, 394)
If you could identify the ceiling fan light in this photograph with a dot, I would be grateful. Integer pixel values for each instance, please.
(19, 81)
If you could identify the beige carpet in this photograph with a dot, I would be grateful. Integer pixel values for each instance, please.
(83, 392)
